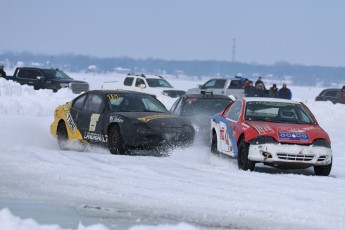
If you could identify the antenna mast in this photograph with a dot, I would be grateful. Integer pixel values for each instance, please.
(233, 50)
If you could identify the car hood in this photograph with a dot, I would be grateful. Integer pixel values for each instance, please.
(151, 118)
(287, 132)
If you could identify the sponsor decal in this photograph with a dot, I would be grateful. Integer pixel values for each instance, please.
(153, 117)
(274, 103)
(221, 134)
(263, 128)
(70, 122)
(289, 129)
(95, 137)
(115, 119)
(293, 136)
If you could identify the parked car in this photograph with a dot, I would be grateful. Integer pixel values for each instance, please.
(41, 78)
(223, 86)
(332, 95)
(151, 84)
(121, 121)
(199, 109)
(276, 132)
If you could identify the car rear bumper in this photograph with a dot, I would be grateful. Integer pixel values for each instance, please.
(285, 154)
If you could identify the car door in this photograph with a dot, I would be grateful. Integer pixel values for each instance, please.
(89, 118)
(29, 77)
(332, 95)
(227, 133)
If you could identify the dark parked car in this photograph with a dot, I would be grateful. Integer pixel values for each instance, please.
(200, 108)
(42, 78)
(121, 121)
(329, 95)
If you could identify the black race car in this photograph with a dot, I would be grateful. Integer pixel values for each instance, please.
(121, 120)
(199, 109)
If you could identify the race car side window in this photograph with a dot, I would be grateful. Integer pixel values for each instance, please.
(235, 111)
(93, 103)
(78, 104)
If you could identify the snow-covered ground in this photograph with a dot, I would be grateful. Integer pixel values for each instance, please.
(42, 187)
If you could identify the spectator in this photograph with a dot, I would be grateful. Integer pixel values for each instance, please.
(273, 91)
(259, 84)
(249, 90)
(2, 71)
(245, 83)
(140, 83)
(284, 92)
(342, 95)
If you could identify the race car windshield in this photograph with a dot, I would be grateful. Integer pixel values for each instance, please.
(204, 106)
(156, 83)
(278, 112)
(134, 103)
(56, 74)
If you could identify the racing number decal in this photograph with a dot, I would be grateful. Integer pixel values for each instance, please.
(93, 121)
(113, 96)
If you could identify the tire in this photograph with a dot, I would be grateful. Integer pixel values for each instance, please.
(62, 136)
(115, 141)
(36, 88)
(242, 159)
(323, 170)
(55, 90)
(214, 149)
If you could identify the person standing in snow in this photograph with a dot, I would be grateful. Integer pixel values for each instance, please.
(342, 95)
(284, 92)
(259, 84)
(2, 71)
(273, 91)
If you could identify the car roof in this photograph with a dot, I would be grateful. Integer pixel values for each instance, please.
(108, 91)
(200, 95)
(269, 99)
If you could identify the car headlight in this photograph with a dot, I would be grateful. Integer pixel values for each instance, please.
(64, 85)
(263, 140)
(321, 143)
(165, 93)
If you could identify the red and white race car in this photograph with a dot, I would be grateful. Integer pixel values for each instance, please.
(277, 132)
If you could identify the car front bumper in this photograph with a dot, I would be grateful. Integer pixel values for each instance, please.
(289, 154)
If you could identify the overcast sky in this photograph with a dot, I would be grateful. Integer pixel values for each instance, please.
(308, 32)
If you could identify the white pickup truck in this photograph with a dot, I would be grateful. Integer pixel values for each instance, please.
(224, 86)
(151, 84)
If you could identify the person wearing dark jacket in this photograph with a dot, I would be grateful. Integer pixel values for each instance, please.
(284, 92)
(249, 90)
(259, 84)
(342, 95)
(273, 91)
(2, 71)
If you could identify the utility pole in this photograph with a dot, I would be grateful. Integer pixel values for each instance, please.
(233, 50)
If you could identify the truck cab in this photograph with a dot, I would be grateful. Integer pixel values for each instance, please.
(151, 84)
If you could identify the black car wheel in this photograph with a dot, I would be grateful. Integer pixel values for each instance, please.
(115, 141)
(242, 159)
(323, 170)
(214, 149)
(62, 136)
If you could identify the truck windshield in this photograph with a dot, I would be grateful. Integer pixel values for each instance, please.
(55, 74)
(153, 82)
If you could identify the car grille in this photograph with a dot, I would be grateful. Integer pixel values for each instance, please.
(79, 87)
(295, 157)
